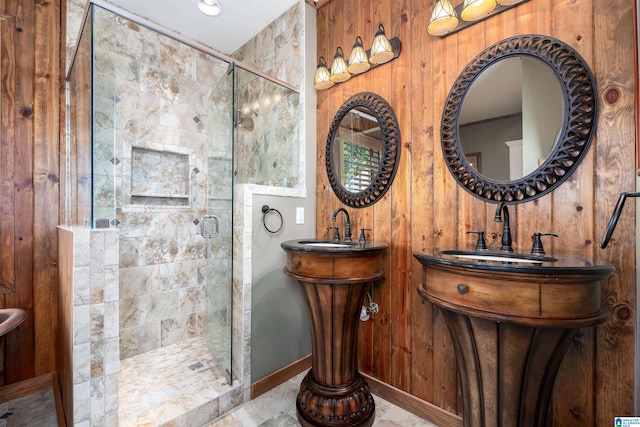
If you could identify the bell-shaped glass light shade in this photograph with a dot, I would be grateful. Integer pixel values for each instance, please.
(339, 71)
(443, 18)
(210, 7)
(358, 61)
(477, 9)
(508, 2)
(323, 78)
(381, 50)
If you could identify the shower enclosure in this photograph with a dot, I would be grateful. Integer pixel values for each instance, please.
(161, 131)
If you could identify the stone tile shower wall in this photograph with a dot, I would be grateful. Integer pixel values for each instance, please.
(171, 124)
(264, 151)
(270, 151)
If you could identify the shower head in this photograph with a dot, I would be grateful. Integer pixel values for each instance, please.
(243, 121)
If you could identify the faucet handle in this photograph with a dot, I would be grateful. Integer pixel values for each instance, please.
(336, 233)
(481, 245)
(363, 240)
(537, 248)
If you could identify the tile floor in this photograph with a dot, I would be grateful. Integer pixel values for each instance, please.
(37, 409)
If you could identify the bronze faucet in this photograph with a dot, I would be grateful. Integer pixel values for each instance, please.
(502, 214)
(347, 232)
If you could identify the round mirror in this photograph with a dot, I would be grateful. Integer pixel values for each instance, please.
(519, 119)
(362, 150)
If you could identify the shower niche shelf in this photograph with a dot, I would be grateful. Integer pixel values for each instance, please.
(160, 177)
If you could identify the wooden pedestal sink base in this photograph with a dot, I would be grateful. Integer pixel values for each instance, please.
(506, 363)
(334, 283)
(318, 405)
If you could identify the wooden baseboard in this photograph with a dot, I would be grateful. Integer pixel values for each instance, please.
(26, 387)
(410, 403)
(32, 385)
(278, 377)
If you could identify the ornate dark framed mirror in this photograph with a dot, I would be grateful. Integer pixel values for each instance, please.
(363, 150)
(539, 139)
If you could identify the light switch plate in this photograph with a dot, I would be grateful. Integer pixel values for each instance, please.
(299, 215)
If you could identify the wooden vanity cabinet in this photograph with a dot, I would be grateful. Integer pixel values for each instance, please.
(511, 328)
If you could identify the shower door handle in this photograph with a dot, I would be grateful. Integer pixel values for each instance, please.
(210, 227)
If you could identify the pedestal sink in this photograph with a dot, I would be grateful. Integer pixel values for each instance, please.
(511, 323)
(11, 318)
(335, 278)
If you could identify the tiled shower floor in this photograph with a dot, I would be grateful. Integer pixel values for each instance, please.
(179, 383)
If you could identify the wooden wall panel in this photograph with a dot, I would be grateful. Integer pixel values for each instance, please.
(421, 182)
(30, 188)
(407, 344)
(613, 56)
(22, 187)
(49, 85)
(7, 211)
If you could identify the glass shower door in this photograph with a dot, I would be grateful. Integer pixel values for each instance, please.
(217, 223)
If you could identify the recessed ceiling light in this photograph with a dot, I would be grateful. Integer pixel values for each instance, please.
(210, 7)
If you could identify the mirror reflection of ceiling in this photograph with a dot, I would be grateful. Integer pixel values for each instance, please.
(360, 121)
(501, 84)
(240, 21)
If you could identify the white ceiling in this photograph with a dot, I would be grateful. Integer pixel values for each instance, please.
(240, 21)
(497, 92)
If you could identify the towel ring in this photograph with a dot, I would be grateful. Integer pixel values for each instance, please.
(265, 211)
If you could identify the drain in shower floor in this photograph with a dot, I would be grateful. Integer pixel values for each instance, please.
(195, 366)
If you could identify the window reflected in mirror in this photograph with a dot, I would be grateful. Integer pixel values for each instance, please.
(357, 151)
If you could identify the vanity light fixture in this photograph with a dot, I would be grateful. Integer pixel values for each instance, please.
(472, 10)
(447, 19)
(443, 18)
(381, 50)
(323, 77)
(360, 61)
(210, 7)
(339, 72)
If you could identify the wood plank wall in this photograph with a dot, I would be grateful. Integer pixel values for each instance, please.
(407, 344)
(31, 122)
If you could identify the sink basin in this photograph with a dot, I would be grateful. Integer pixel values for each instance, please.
(498, 256)
(332, 247)
(326, 244)
(10, 318)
